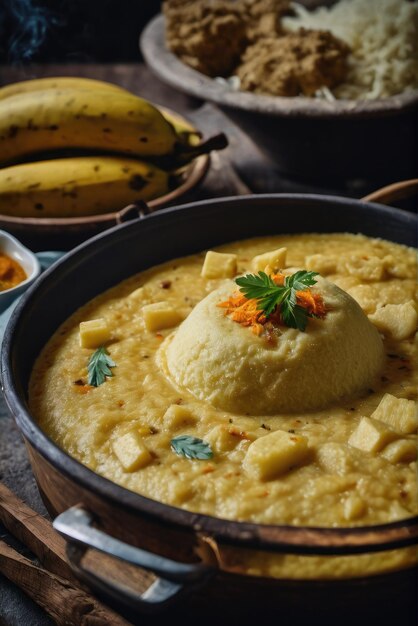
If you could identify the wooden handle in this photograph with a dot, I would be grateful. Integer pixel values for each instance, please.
(172, 578)
(396, 191)
(38, 534)
(66, 603)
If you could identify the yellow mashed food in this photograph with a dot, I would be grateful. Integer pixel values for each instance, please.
(314, 428)
(233, 369)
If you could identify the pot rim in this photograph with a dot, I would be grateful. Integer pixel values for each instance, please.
(169, 68)
(243, 534)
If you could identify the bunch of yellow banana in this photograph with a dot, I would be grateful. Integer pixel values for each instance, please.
(56, 114)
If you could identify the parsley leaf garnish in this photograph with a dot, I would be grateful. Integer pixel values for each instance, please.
(191, 447)
(99, 367)
(270, 296)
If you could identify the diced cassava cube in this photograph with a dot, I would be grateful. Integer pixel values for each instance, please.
(398, 321)
(160, 315)
(335, 458)
(322, 263)
(221, 439)
(177, 416)
(275, 259)
(131, 451)
(365, 295)
(398, 413)
(371, 435)
(137, 294)
(366, 268)
(401, 451)
(219, 265)
(354, 507)
(180, 490)
(94, 333)
(275, 454)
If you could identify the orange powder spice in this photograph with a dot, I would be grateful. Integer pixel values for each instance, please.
(11, 273)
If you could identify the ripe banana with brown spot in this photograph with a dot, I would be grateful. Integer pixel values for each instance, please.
(79, 118)
(78, 186)
(182, 127)
(58, 82)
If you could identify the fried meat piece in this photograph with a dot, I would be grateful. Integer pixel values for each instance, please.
(294, 64)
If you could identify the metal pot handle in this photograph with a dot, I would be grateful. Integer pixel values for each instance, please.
(76, 526)
(396, 191)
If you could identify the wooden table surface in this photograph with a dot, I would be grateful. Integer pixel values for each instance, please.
(240, 169)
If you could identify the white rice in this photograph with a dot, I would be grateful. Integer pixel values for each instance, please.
(383, 37)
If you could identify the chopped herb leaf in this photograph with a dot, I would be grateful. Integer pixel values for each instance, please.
(270, 295)
(99, 367)
(191, 447)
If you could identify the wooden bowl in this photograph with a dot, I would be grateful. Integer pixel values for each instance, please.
(172, 532)
(63, 233)
(305, 137)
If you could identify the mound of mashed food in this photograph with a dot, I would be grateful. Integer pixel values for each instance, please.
(283, 371)
(354, 49)
(271, 380)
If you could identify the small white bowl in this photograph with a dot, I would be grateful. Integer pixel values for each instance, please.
(13, 248)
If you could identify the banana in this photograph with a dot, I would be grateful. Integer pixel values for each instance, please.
(58, 82)
(185, 131)
(75, 118)
(92, 84)
(79, 186)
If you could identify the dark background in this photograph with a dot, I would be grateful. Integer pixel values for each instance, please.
(72, 31)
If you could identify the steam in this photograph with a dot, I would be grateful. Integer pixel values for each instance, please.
(25, 25)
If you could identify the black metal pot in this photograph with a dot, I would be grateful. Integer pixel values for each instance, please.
(173, 533)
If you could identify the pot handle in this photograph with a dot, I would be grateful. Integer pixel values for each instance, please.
(134, 211)
(76, 526)
(396, 191)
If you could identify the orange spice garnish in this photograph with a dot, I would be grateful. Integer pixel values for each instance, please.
(82, 389)
(312, 302)
(240, 434)
(246, 311)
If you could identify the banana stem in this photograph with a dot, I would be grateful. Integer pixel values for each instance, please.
(217, 142)
(183, 154)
